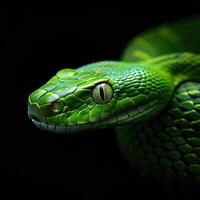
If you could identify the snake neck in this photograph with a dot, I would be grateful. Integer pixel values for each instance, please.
(182, 66)
(179, 36)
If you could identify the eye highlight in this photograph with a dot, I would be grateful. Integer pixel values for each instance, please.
(102, 93)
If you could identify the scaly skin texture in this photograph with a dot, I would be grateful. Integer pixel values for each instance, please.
(168, 146)
(152, 97)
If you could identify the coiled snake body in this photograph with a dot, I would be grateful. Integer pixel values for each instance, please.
(151, 97)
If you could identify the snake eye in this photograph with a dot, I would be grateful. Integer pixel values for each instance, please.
(102, 93)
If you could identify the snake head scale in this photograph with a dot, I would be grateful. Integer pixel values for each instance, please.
(99, 95)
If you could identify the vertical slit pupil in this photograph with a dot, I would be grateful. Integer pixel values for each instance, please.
(101, 91)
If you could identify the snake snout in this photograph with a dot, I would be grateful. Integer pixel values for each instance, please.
(33, 117)
(35, 113)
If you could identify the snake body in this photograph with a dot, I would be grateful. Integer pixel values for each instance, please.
(151, 97)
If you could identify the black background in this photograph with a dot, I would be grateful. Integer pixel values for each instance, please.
(37, 42)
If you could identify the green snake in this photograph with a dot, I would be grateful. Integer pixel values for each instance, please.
(151, 96)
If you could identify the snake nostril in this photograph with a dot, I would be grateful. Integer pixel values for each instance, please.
(55, 106)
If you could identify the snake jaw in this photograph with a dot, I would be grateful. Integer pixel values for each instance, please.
(106, 121)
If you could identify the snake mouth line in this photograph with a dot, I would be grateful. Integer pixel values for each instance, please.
(66, 128)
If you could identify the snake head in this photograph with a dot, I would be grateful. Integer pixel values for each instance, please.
(98, 95)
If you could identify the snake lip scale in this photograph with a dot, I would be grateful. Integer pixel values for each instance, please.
(61, 128)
